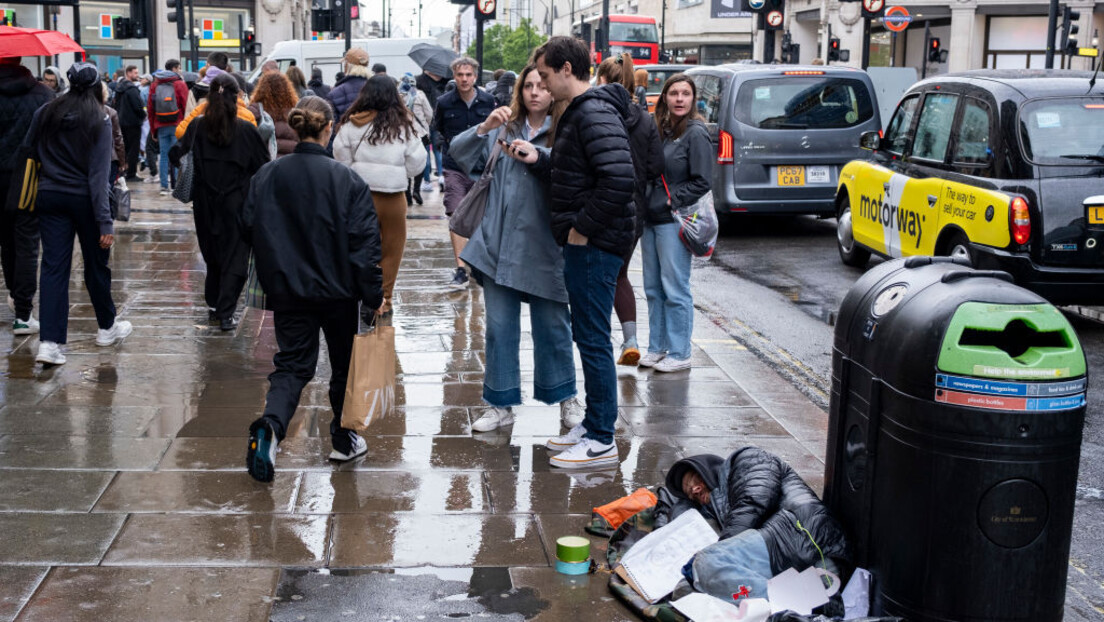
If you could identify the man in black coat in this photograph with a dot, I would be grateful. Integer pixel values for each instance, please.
(132, 111)
(592, 181)
(20, 96)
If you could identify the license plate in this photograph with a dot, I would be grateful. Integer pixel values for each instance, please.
(1096, 215)
(791, 175)
(817, 175)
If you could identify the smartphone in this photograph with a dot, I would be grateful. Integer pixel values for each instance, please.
(506, 145)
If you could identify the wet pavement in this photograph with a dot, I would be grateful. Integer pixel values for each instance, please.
(123, 493)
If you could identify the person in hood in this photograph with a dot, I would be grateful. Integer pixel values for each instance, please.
(20, 96)
(316, 85)
(72, 136)
(54, 80)
(418, 105)
(167, 101)
(687, 173)
(226, 151)
(769, 520)
(647, 152)
(590, 172)
(316, 244)
(345, 92)
(132, 113)
(504, 88)
(378, 141)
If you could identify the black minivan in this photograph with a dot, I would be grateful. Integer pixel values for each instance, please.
(783, 132)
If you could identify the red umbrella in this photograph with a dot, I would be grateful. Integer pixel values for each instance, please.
(30, 42)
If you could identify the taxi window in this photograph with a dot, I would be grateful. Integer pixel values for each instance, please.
(709, 97)
(972, 140)
(1063, 130)
(933, 131)
(804, 102)
(897, 134)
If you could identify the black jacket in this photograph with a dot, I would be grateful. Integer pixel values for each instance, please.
(20, 96)
(314, 231)
(591, 171)
(433, 89)
(129, 104)
(344, 93)
(320, 89)
(452, 116)
(687, 169)
(754, 489)
(647, 155)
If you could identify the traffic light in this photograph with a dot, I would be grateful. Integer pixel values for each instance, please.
(1069, 29)
(139, 21)
(176, 15)
(935, 53)
(120, 28)
(834, 49)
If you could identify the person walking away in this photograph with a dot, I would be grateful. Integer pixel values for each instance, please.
(433, 86)
(275, 93)
(20, 96)
(243, 111)
(226, 152)
(513, 255)
(641, 90)
(118, 150)
(316, 245)
(316, 85)
(378, 141)
(688, 167)
(647, 155)
(298, 83)
(419, 107)
(345, 92)
(132, 113)
(590, 171)
(504, 88)
(457, 111)
(167, 99)
(73, 139)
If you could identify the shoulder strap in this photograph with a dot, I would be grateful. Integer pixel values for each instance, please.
(495, 151)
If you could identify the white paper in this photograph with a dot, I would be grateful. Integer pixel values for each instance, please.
(655, 562)
(856, 596)
(800, 592)
(701, 607)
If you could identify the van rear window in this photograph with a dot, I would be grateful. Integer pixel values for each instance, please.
(1063, 130)
(791, 102)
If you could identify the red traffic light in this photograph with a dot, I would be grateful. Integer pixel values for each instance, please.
(834, 43)
(934, 43)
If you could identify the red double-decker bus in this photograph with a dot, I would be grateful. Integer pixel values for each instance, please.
(635, 34)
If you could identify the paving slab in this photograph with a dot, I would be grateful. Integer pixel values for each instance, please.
(39, 539)
(16, 586)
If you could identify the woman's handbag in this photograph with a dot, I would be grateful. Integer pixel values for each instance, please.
(24, 182)
(185, 179)
(119, 200)
(698, 226)
(469, 214)
(254, 293)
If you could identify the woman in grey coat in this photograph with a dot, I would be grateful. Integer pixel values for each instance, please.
(514, 257)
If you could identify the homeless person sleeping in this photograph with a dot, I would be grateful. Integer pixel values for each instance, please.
(769, 520)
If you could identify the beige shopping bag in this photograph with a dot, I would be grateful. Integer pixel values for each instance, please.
(370, 391)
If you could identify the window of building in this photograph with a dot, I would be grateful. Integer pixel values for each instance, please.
(685, 55)
(721, 54)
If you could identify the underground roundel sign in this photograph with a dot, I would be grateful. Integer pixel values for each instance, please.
(774, 19)
(897, 18)
(486, 7)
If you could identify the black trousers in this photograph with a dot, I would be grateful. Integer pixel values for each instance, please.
(227, 257)
(297, 337)
(19, 240)
(132, 138)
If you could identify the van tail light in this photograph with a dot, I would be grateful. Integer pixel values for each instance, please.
(725, 148)
(1020, 220)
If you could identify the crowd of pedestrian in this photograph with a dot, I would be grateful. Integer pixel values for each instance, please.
(314, 182)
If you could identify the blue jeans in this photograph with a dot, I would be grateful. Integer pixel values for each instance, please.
(742, 561)
(435, 155)
(166, 138)
(591, 277)
(667, 286)
(554, 362)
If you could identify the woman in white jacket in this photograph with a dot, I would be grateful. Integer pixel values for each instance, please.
(378, 141)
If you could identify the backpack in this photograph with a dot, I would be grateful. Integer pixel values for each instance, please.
(267, 128)
(164, 103)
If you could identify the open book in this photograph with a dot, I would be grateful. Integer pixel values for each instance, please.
(653, 566)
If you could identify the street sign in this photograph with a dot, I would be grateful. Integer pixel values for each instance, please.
(756, 5)
(872, 8)
(485, 7)
(896, 18)
(774, 19)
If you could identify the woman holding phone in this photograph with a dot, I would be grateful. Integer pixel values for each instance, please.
(514, 257)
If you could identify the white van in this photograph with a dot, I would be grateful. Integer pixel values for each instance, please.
(326, 55)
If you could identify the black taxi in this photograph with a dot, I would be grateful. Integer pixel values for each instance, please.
(1004, 168)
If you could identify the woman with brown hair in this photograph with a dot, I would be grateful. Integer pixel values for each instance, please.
(687, 171)
(641, 90)
(514, 257)
(298, 82)
(275, 93)
(647, 155)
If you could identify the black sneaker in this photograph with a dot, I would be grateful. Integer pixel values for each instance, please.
(260, 459)
(459, 279)
(227, 324)
(212, 317)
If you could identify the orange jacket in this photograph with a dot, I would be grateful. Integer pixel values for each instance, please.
(243, 114)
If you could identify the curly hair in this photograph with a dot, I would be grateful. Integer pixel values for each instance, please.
(275, 93)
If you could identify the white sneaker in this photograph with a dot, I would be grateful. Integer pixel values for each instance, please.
(359, 448)
(427, 186)
(567, 441)
(572, 412)
(586, 454)
(49, 353)
(650, 359)
(670, 363)
(152, 179)
(493, 419)
(28, 326)
(118, 331)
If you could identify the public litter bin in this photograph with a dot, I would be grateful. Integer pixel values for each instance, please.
(958, 402)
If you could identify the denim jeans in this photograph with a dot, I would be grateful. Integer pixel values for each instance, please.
(742, 561)
(591, 277)
(667, 286)
(166, 138)
(435, 155)
(554, 361)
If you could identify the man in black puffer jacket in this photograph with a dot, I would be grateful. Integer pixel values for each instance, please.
(592, 183)
(132, 111)
(770, 520)
(20, 96)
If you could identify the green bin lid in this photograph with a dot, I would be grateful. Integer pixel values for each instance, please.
(1025, 342)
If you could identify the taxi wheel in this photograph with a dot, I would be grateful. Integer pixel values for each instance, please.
(850, 253)
(958, 247)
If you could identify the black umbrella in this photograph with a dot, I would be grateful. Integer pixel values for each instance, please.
(433, 58)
